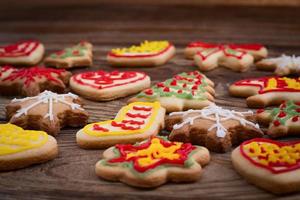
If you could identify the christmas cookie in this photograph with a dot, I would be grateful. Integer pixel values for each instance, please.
(216, 128)
(182, 92)
(257, 51)
(80, 55)
(134, 122)
(23, 53)
(282, 121)
(147, 54)
(267, 91)
(31, 81)
(105, 86)
(48, 112)
(153, 162)
(271, 165)
(235, 57)
(20, 148)
(283, 65)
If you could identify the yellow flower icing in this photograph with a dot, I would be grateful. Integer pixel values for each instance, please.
(146, 47)
(122, 115)
(14, 139)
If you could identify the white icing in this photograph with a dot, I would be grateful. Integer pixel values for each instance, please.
(216, 114)
(285, 61)
(47, 97)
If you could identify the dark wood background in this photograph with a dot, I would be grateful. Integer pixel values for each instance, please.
(71, 175)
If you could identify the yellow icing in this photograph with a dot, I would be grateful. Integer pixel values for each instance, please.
(145, 47)
(14, 139)
(273, 153)
(290, 83)
(155, 152)
(88, 129)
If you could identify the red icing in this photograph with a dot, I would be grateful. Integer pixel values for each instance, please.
(29, 75)
(124, 126)
(260, 111)
(142, 56)
(288, 167)
(254, 47)
(138, 115)
(282, 114)
(281, 85)
(142, 108)
(149, 91)
(97, 127)
(125, 149)
(166, 89)
(19, 49)
(102, 80)
(133, 122)
(276, 123)
(295, 118)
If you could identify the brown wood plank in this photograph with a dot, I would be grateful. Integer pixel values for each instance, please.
(71, 175)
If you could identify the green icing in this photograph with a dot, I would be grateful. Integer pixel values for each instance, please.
(76, 51)
(199, 93)
(289, 110)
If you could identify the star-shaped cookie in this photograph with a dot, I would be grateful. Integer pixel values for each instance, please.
(80, 55)
(153, 162)
(282, 121)
(48, 112)
(283, 65)
(266, 91)
(31, 81)
(213, 127)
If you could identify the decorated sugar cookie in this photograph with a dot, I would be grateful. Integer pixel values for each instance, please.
(22, 53)
(153, 162)
(20, 148)
(147, 54)
(239, 58)
(283, 65)
(48, 112)
(80, 55)
(31, 81)
(184, 91)
(134, 122)
(105, 86)
(265, 91)
(271, 165)
(216, 128)
(282, 121)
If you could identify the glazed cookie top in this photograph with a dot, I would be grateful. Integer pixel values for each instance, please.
(104, 80)
(254, 47)
(146, 48)
(286, 113)
(20, 49)
(189, 85)
(14, 139)
(277, 157)
(272, 84)
(78, 50)
(152, 154)
(134, 118)
(30, 75)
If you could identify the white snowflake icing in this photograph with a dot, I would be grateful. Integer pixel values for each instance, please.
(284, 61)
(47, 97)
(216, 114)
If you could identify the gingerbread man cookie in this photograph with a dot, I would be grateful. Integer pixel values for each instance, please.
(184, 91)
(31, 81)
(105, 86)
(21, 148)
(153, 162)
(236, 57)
(48, 112)
(265, 91)
(22, 53)
(147, 54)
(268, 164)
(134, 122)
(80, 55)
(283, 65)
(216, 128)
(282, 121)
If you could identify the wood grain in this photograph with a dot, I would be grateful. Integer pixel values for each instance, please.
(71, 175)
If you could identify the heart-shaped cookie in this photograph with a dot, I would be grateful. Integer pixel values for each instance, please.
(269, 164)
(104, 86)
(134, 122)
(20, 148)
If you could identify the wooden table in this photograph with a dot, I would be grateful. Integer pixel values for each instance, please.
(71, 175)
